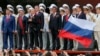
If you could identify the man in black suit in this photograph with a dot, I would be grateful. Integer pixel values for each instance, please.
(33, 29)
(68, 43)
(80, 14)
(22, 28)
(62, 22)
(53, 26)
(40, 25)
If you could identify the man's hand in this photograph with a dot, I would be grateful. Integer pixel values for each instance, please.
(26, 31)
(59, 30)
(1, 31)
(41, 29)
(15, 31)
(49, 30)
(30, 20)
(65, 53)
(28, 54)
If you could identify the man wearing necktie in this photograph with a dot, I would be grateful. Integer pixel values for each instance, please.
(68, 44)
(97, 27)
(53, 26)
(22, 28)
(62, 21)
(80, 13)
(8, 28)
(33, 29)
(40, 25)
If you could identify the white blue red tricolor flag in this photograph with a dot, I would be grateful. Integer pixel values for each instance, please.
(79, 30)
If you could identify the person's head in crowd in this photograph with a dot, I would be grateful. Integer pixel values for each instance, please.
(78, 8)
(11, 53)
(26, 53)
(37, 8)
(42, 5)
(39, 54)
(74, 12)
(85, 9)
(1, 11)
(33, 11)
(54, 53)
(88, 54)
(66, 8)
(42, 9)
(34, 55)
(63, 53)
(12, 10)
(18, 54)
(27, 8)
(81, 55)
(8, 11)
(49, 53)
(19, 6)
(50, 8)
(62, 11)
(10, 6)
(21, 12)
(90, 6)
(54, 9)
(98, 8)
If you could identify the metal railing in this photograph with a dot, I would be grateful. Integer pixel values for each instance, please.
(70, 52)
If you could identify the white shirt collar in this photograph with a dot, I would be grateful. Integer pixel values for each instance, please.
(80, 12)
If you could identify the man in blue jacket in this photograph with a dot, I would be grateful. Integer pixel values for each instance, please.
(8, 28)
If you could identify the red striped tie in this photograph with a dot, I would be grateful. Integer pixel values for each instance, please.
(21, 24)
(67, 18)
(8, 18)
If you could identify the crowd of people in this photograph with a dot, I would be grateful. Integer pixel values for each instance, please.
(39, 29)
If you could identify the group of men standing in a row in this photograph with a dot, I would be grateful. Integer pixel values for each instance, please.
(38, 29)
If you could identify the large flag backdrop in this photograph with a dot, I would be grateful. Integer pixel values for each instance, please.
(78, 29)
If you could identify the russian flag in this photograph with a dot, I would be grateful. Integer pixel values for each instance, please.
(78, 29)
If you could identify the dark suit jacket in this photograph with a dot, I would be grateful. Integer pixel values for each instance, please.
(62, 23)
(80, 46)
(40, 20)
(34, 24)
(8, 26)
(25, 23)
(54, 21)
(81, 16)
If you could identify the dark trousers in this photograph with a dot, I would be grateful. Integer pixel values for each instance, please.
(6, 36)
(40, 39)
(68, 44)
(33, 38)
(55, 38)
(65, 44)
(21, 38)
(15, 41)
(48, 42)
